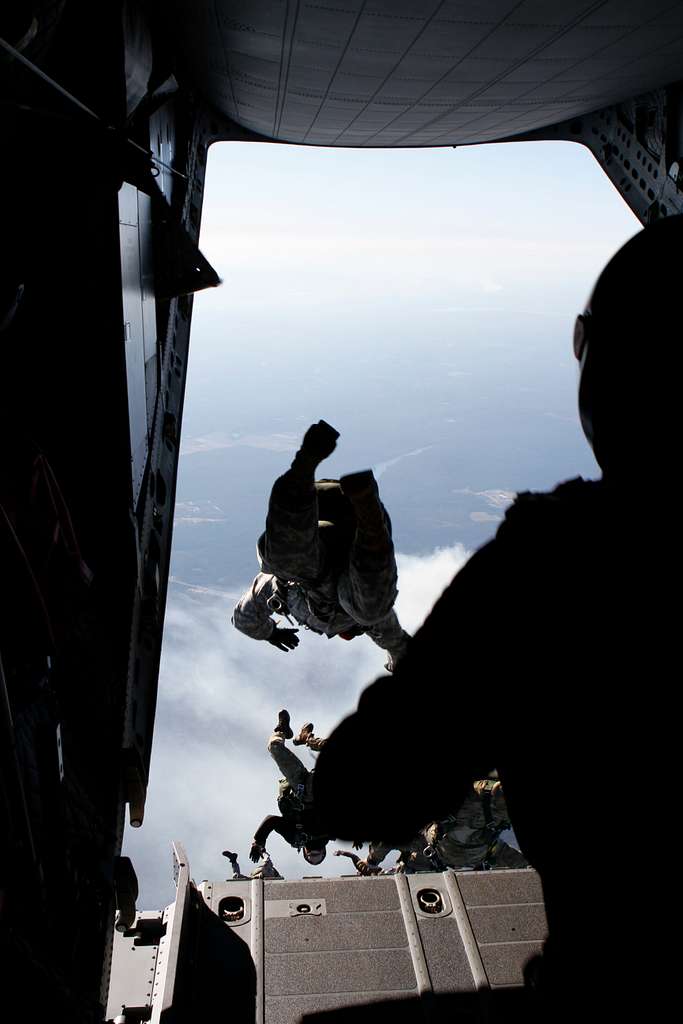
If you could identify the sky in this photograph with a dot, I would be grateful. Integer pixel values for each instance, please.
(421, 301)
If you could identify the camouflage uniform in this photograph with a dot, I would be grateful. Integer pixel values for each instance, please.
(304, 576)
(265, 870)
(410, 860)
(471, 838)
(297, 822)
(468, 839)
(297, 777)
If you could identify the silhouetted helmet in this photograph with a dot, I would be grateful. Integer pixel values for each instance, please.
(314, 855)
(628, 346)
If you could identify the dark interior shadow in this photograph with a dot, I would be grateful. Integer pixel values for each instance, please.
(500, 1006)
(218, 981)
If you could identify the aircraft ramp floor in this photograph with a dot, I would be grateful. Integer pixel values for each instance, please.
(434, 946)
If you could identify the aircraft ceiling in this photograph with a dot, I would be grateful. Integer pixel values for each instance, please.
(423, 72)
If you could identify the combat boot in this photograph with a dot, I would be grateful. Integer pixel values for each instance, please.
(304, 735)
(362, 491)
(282, 726)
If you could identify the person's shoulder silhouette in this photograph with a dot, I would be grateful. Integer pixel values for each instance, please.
(549, 655)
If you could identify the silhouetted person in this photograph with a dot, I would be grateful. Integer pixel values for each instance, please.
(234, 864)
(327, 558)
(561, 676)
(265, 870)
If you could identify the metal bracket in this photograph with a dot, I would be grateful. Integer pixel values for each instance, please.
(304, 907)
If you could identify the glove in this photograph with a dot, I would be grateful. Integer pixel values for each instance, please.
(256, 852)
(320, 440)
(284, 639)
(357, 844)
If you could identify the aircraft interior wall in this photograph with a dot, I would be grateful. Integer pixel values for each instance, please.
(91, 395)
